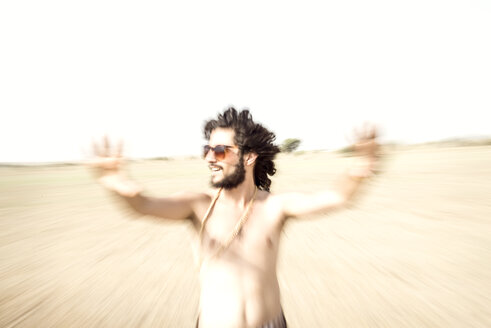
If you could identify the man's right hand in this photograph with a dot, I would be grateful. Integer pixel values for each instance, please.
(107, 160)
(107, 166)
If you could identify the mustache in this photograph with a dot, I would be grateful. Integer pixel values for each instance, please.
(211, 166)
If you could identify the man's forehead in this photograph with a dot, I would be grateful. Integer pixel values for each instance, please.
(222, 136)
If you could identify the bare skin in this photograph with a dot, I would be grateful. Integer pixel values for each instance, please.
(239, 286)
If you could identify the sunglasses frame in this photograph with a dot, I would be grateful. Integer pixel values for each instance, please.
(219, 155)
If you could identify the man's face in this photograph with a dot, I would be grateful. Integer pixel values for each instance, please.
(227, 170)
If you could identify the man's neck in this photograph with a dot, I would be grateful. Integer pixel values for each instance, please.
(240, 195)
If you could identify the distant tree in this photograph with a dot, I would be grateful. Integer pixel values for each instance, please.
(289, 145)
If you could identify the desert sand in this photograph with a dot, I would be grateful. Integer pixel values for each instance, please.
(414, 250)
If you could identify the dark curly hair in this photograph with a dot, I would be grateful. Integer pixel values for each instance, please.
(250, 137)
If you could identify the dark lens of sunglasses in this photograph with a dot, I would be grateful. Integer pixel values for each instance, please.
(218, 150)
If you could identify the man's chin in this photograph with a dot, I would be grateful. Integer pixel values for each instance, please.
(216, 183)
(225, 184)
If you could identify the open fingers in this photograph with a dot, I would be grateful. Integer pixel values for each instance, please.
(103, 149)
(368, 131)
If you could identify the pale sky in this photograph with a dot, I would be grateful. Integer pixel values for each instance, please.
(151, 72)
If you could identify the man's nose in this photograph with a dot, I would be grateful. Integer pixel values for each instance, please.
(210, 156)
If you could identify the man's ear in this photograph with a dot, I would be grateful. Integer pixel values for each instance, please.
(250, 159)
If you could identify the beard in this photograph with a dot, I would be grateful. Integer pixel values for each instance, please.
(234, 179)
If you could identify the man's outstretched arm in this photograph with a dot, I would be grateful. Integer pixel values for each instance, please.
(108, 169)
(298, 204)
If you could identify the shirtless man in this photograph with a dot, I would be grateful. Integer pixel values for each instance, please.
(239, 221)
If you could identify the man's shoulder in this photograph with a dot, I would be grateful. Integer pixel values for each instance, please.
(272, 208)
(269, 199)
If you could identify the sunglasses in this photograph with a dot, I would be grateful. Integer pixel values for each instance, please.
(220, 151)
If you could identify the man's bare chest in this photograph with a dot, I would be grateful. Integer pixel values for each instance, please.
(259, 231)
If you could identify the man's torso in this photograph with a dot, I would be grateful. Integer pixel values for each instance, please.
(239, 286)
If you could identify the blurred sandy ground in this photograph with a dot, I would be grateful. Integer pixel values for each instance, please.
(415, 251)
